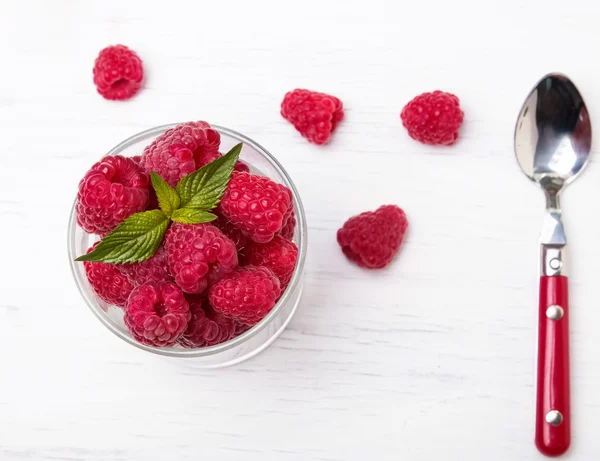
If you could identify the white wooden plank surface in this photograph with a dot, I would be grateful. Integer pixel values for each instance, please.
(430, 359)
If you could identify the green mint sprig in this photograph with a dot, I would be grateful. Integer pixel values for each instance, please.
(190, 202)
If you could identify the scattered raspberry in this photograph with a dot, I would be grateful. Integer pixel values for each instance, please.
(198, 255)
(256, 205)
(279, 255)
(288, 229)
(433, 118)
(118, 72)
(153, 269)
(107, 282)
(314, 115)
(137, 159)
(246, 295)
(236, 235)
(157, 314)
(113, 189)
(206, 327)
(241, 166)
(182, 150)
(372, 239)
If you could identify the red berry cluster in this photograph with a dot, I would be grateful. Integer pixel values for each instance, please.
(206, 283)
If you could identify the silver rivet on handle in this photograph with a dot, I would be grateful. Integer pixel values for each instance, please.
(555, 312)
(554, 417)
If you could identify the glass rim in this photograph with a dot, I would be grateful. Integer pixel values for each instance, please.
(211, 350)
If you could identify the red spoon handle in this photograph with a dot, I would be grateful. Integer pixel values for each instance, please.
(553, 408)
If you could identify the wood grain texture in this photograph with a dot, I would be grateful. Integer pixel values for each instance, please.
(432, 358)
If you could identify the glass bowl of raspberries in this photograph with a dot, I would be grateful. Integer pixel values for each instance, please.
(189, 240)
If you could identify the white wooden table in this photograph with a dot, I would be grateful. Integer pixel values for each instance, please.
(430, 359)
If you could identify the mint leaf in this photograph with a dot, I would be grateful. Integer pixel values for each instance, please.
(134, 240)
(192, 216)
(168, 199)
(204, 188)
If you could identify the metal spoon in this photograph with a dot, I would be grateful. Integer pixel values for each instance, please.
(553, 138)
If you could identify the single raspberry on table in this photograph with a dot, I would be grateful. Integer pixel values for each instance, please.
(256, 205)
(433, 118)
(107, 281)
(153, 269)
(288, 229)
(206, 327)
(235, 234)
(118, 72)
(112, 190)
(198, 255)
(182, 150)
(279, 255)
(246, 295)
(372, 239)
(314, 115)
(157, 314)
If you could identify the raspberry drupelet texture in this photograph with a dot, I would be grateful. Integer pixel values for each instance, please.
(256, 205)
(279, 255)
(372, 239)
(118, 72)
(153, 269)
(287, 231)
(207, 327)
(157, 314)
(182, 150)
(241, 166)
(433, 118)
(107, 281)
(246, 295)
(240, 328)
(198, 255)
(314, 115)
(112, 190)
(235, 234)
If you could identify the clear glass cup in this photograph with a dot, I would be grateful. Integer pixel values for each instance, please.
(259, 336)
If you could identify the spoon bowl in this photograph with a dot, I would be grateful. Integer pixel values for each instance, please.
(553, 133)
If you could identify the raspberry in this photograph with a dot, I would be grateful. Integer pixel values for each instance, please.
(198, 255)
(152, 200)
(182, 150)
(246, 295)
(287, 231)
(107, 282)
(256, 205)
(157, 314)
(372, 239)
(314, 115)
(236, 235)
(206, 327)
(153, 269)
(113, 189)
(279, 255)
(433, 118)
(118, 72)
(241, 166)
(240, 328)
